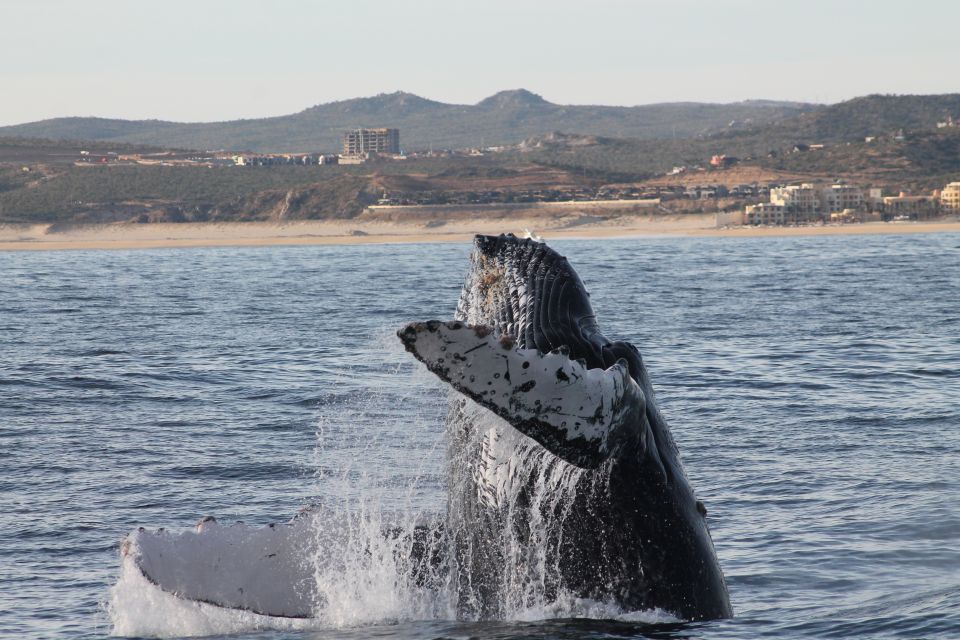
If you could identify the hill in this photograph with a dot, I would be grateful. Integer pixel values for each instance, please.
(501, 119)
(905, 148)
(153, 193)
(920, 161)
(874, 115)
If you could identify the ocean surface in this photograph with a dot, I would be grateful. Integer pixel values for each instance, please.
(812, 385)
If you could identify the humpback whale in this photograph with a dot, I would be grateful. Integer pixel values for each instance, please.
(564, 482)
(564, 477)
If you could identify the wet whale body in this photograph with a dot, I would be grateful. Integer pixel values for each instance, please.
(565, 481)
(565, 487)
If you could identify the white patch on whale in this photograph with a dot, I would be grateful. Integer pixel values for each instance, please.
(593, 407)
(264, 570)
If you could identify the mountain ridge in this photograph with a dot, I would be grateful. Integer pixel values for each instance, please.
(503, 118)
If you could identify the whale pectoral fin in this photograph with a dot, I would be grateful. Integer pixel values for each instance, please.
(257, 569)
(581, 415)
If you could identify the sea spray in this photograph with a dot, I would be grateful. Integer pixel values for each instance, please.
(384, 548)
(385, 531)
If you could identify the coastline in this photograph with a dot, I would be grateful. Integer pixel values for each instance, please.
(48, 237)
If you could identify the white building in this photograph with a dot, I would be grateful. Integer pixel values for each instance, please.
(950, 197)
(841, 197)
(765, 213)
(804, 203)
(800, 202)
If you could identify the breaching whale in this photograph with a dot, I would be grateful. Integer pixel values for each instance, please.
(564, 481)
(564, 477)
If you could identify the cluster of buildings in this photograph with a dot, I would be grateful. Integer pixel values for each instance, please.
(841, 202)
(159, 158)
(514, 196)
(281, 159)
(709, 191)
(359, 145)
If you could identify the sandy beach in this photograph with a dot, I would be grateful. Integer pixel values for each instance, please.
(371, 230)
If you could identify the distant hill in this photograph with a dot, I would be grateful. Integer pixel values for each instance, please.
(925, 148)
(920, 159)
(503, 118)
(875, 115)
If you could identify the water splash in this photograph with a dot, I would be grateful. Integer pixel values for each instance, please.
(381, 552)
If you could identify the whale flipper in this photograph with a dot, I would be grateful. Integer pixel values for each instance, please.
(581, 415)
(273, 570)
(258, 569)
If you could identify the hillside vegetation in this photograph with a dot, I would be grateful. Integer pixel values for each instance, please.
(923, 156)
(179, 194)
(22, 150)
(922, 161)
(875, 115)
(154, 193)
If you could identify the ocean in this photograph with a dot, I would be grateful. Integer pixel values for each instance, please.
(812, 385)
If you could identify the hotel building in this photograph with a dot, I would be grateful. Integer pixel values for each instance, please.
(950, 197)
(363, 141)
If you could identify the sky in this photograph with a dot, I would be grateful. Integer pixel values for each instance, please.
(209, 60)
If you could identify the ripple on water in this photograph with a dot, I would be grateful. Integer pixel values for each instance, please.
(810, 383)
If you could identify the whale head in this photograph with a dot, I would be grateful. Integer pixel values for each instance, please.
(525, 290)
(525, 344)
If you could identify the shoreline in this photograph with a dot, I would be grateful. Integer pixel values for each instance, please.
(47, 237)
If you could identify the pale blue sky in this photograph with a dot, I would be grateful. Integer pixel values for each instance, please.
(225, 59)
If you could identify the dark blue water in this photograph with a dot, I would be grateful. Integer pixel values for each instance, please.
(812, 385)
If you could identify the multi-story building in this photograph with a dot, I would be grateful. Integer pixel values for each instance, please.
(841, 197)
(950, 197)
(800, 203)
(764, 213)
(907, 206)
(841, 202)
(363, 141)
